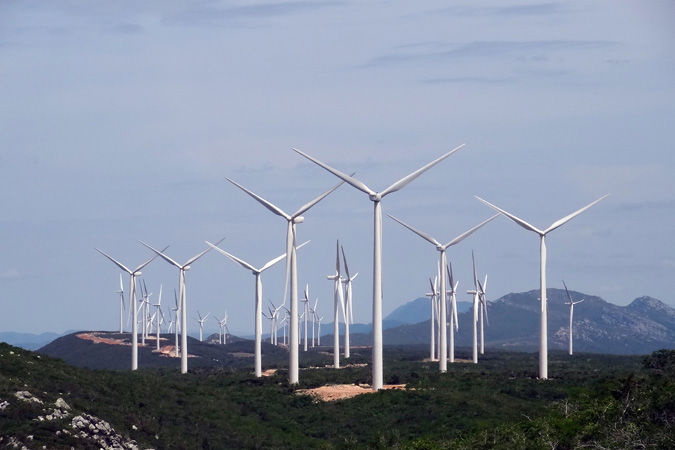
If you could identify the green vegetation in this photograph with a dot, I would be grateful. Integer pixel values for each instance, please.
(599, 401)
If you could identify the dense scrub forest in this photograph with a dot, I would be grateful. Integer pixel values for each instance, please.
(591, 401)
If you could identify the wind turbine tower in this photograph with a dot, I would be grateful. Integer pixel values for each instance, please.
(257, 273)
(442, 329)
(571, 303)
(182, 268)
(291, 270)
(132, 292)
(376, 198)
(543, 330)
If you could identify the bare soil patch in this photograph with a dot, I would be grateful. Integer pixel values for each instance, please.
(341, 391)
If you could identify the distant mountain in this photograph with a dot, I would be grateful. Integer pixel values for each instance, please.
(28, 341)
(418, 310)
(647, 324)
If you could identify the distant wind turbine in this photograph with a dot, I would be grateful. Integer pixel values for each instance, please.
(443, 351)
(132, 293)
(543, 338)
(182, 268)
(121, 293)
(571, 303)
(454, 325)
(476, 298)
(159, 313)
(338, 302)
(376, 198)
(201, 321)
(432, 299)
(291, 270)
(349, 309)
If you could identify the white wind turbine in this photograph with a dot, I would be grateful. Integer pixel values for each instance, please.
(543, 336)
(314, 316)
(201, 321)
(483, 311)
(182, 268)
(291, 270)
(257, 273)
(376, 198)
(318, 340)
(338, 302)
(159, 313)
(176, 310)
(443, 351)
(571, 303)
(432, 301)
(454, 324)
(132, 293)
(349, 310)
(476, 298)
(305, 311)
(121, 293)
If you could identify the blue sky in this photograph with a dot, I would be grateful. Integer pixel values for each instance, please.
(119, 121)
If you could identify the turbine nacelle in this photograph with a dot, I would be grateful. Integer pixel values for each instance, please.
(298, 219)
(376, 197)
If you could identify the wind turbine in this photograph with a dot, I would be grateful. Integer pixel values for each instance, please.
(201, 324)
(476, 298)
(454, 325)
(291, 268)
(182, 268)
(305, 300)
(314, 316)
(543, 337)
(257, 273)
(376, 198)
(571, 303)
(442, 328)
(176, 310)
(432, 301)
(132, 293)
(121, 292)
(349, 316)
(319, 331)
(338, 301)
(159, 313)
(483, 310)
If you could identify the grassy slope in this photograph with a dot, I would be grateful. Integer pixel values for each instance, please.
(593, 399)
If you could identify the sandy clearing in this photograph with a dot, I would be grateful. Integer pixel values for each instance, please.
(334, 392)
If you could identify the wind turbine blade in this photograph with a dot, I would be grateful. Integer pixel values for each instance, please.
(469, 232)
(421, 234)
(349, 179)
(117, 263)
(485, 285)
(344, 258)
(517, 220)
(159, 300)
(199, 255)
(280, 257)
(400, 184)
(561, 222)
(431, 283)
(313, 202)
(175, 297)
(269, 205)
(475, 278)
(162, 255)
(448, 269)
(121, 285)
(569, 297)
(341, 298)
(207, 315)
(241, 262)
(337, 257)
